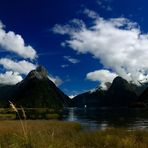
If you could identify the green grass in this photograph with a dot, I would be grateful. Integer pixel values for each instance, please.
(58, 134)
(52, 116)
(7, 116)
(31, 113)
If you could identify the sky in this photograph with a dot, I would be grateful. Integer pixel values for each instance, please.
(82, 43)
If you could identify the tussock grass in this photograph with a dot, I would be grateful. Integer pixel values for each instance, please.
(59, 134)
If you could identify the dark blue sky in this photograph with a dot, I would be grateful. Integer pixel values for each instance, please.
(34, 20)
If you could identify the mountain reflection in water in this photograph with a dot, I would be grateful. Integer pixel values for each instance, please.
(102, 118)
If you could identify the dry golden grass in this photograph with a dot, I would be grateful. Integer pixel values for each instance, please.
(59, 134)
(40, 133)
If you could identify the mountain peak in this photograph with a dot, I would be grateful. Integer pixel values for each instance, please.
(119, 82)
(40, 73)
(118, 78)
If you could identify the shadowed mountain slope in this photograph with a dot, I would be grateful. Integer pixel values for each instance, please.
(120, 93)
(36, 90)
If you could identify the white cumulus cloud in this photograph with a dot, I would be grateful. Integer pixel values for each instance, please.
(117, 42)
(101, 75)
(16, 68)
(22, 67)
(10, 78)
(10, 41)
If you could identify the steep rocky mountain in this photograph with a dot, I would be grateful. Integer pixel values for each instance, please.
(120, 93)
(36, 90)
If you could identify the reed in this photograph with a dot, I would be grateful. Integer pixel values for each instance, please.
(13, 107)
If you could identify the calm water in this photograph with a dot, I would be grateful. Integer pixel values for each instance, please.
(108, 117)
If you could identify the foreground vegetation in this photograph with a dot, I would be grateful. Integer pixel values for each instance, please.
(59, 134)
(30, 113)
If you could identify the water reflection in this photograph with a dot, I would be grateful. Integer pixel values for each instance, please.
(108, 117)
(71, 116)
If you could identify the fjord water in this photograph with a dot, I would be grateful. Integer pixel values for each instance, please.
(102, 118)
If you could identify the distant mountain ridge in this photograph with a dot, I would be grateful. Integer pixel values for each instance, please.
(119, 93)
(38, 91)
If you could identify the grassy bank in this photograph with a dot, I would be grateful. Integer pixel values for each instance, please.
(58, 134)
(31, 113)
